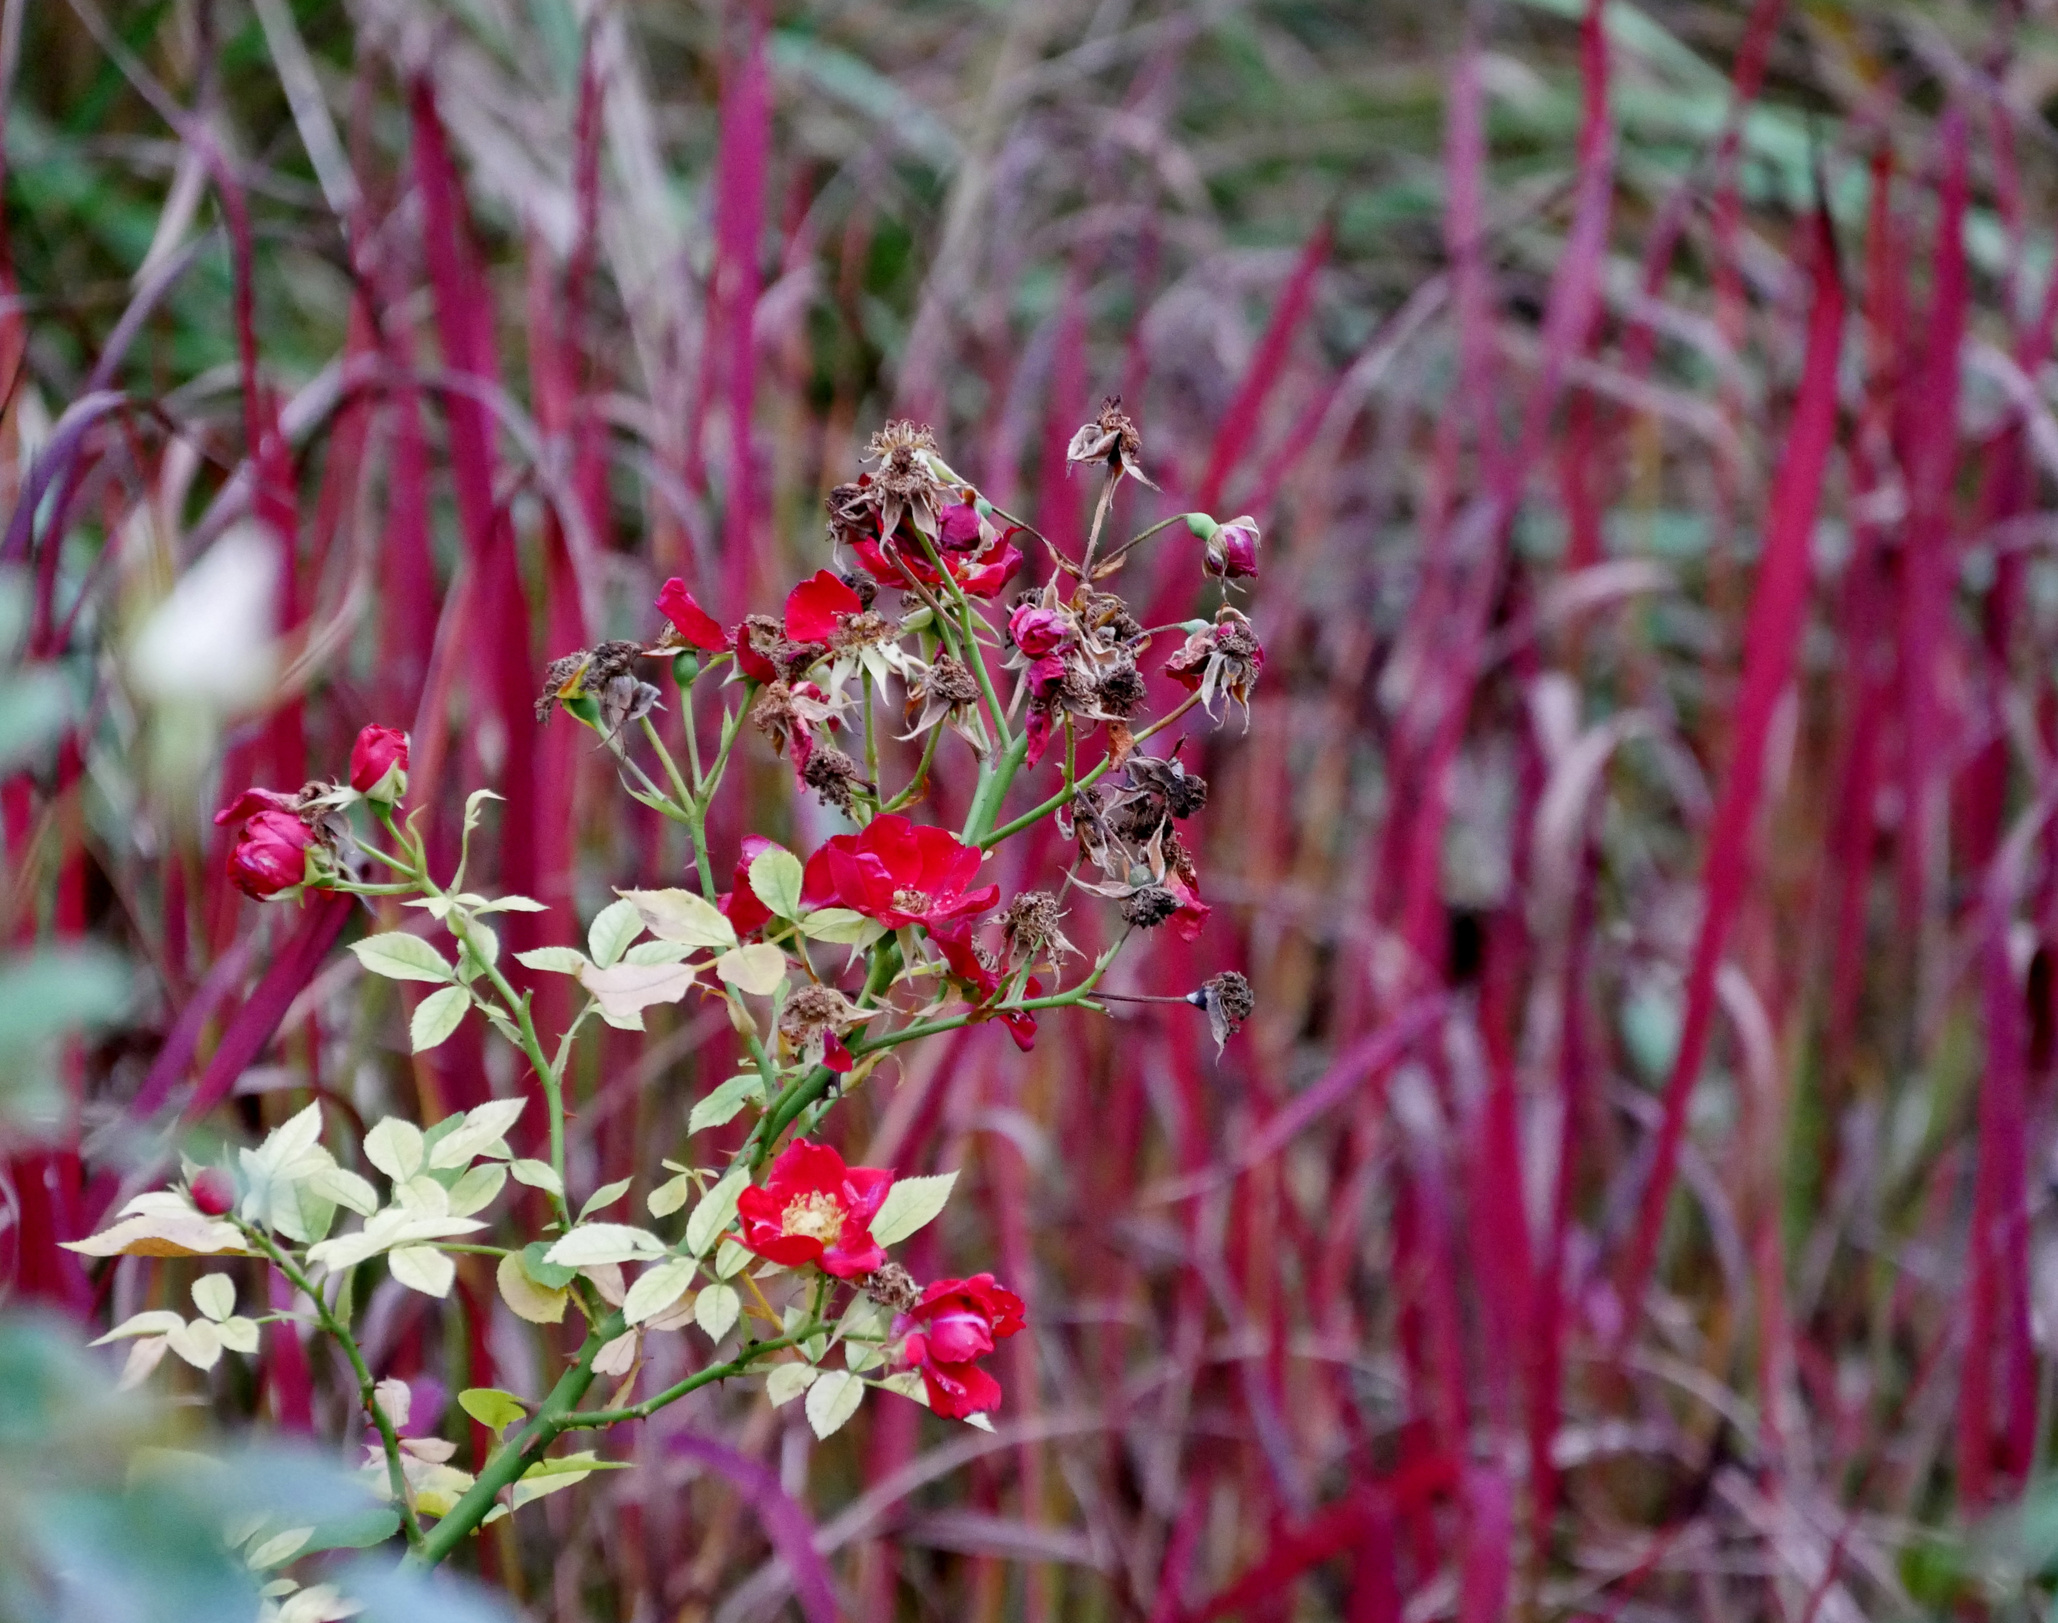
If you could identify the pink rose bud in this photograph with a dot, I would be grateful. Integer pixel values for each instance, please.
(1039, 633)
(1232, 551)
(214, 1192)
(378, 764)
(270, 855)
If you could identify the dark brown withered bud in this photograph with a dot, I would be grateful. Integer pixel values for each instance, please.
(1236, 639)
(773, 713)
(832, 775)
(1178, 859)
(867, 589)
(1149, 907)
(1121, 689)
(560, 681)
(893, 1286)
(1137, 820)
(812, 1009)
(1228, 1002)
(1183, 792)
(950, 681)
(1111, 439)
(1030, 925)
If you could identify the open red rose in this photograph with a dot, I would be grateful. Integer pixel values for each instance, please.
(269, 857)
(953, 1323)
(816, 607)
(689, 619)
(813, 1208)
(378, 764)
(980, 574)
(897, 872)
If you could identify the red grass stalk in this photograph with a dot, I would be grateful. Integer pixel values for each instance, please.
(1771, 640)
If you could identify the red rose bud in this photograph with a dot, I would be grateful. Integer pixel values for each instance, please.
(815, 608)
(689, 619)
(1232, 551)
(378, 764)
(1039, 632)
(270, 855)
(214, 1192)
(961, 529)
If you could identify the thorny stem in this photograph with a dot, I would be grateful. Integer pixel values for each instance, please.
(367, 1388)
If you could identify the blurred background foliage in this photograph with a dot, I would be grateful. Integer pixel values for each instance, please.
(360, 357)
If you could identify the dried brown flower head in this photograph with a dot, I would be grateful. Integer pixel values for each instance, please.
(1149, 906)
(833, 775)
(1228, 1002)
(1111, 440)
(1030, 927)
(893, 1286)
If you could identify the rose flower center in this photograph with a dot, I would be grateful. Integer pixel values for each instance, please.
(911, 901)
(816, 1215)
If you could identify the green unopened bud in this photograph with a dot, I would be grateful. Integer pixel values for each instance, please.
(1202, 525)
(685, 668)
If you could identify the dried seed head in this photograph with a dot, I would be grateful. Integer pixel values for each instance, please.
(1121, 689)
(1030, 926)
(950, 681)
(1111, 438)
(1149, 907)
(861, 630)
(867, 589)
(1228, 1001)
(832, 775)
(560, 681)
(812, 1009)
(893, 1286)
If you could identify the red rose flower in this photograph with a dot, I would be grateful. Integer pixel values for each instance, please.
(269, 857)
(378, 764)
(953, 1323)
(961, 529)
(898, 873)
(813, 1208)
(1039, 632)
(700, 629)
(815, 608)
(979, 575)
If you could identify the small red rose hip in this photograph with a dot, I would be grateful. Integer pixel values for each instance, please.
(214, 1192)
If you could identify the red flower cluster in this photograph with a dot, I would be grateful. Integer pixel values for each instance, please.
(899, 873)
(952, 1324)
(813, 1208)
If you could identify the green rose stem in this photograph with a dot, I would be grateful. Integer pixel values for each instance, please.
(560, 1413)
(367, 1388)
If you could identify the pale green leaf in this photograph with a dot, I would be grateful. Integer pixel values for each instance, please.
(788, 1381)
(526, 1299)
(715, 1310)
(215, 1296)
(832, 1400)
(683, 916)
(775, 875)
(437, 1017)
(911, 1204)
(657, 1289)
(402, 957)
(669, 1196)
(721, 1106)
(592, 1244)
(537, 1175)
(423, 1268)
(477, 1189)
(492, 1408)
(715, 1212)
(395, 1148)
(605, 1195)
(553, 960)
(841, 927)
(758, 969)
(613, 928)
